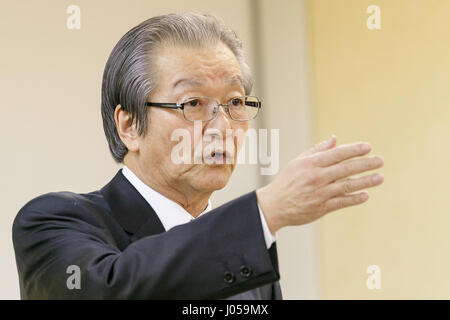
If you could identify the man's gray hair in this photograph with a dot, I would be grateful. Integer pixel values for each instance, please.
(129, 76)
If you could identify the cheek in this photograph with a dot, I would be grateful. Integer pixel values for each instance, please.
(240, 131)
(163, 135)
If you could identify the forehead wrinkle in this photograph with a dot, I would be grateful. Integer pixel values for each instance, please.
(234, 80)
(184, 82)
(205, 68)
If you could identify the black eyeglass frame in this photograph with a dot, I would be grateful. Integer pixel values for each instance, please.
(174, 105)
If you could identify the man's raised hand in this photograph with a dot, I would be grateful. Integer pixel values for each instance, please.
(317, 182)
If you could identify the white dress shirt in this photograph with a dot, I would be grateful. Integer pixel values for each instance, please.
(172, 214)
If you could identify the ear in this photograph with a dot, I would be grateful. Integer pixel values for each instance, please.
(127, 131)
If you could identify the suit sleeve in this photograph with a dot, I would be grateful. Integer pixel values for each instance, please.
(219, 254)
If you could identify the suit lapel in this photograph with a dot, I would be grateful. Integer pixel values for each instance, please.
(130, 209)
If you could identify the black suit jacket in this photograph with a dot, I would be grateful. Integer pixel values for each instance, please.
(123, 251)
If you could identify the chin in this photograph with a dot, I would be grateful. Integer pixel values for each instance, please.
(215, 178)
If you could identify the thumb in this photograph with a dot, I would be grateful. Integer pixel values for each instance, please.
(322, 146)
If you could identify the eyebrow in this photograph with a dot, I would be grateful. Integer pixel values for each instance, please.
(234, 80)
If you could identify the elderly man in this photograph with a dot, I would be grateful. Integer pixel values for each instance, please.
(151, 232)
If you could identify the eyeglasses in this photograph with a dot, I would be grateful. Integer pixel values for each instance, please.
(243, 108)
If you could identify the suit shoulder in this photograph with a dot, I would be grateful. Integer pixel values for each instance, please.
(63, 203)
(62, 200)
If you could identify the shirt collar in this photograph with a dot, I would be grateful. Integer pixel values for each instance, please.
(169, 212)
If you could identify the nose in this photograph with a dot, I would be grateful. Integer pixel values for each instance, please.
(219, 124)
(221, 117)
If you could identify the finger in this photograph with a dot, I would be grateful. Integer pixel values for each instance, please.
(343, 187)
(322, 146)
(349, 168)
(346, 201)
(341, 153)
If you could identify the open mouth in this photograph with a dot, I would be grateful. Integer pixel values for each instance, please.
(218, 154)
(218, 157)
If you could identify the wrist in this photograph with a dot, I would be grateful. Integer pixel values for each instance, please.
(273, 220)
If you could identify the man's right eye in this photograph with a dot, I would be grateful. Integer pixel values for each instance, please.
(193, 103)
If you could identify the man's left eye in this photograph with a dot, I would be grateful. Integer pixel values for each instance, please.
(237, 102)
